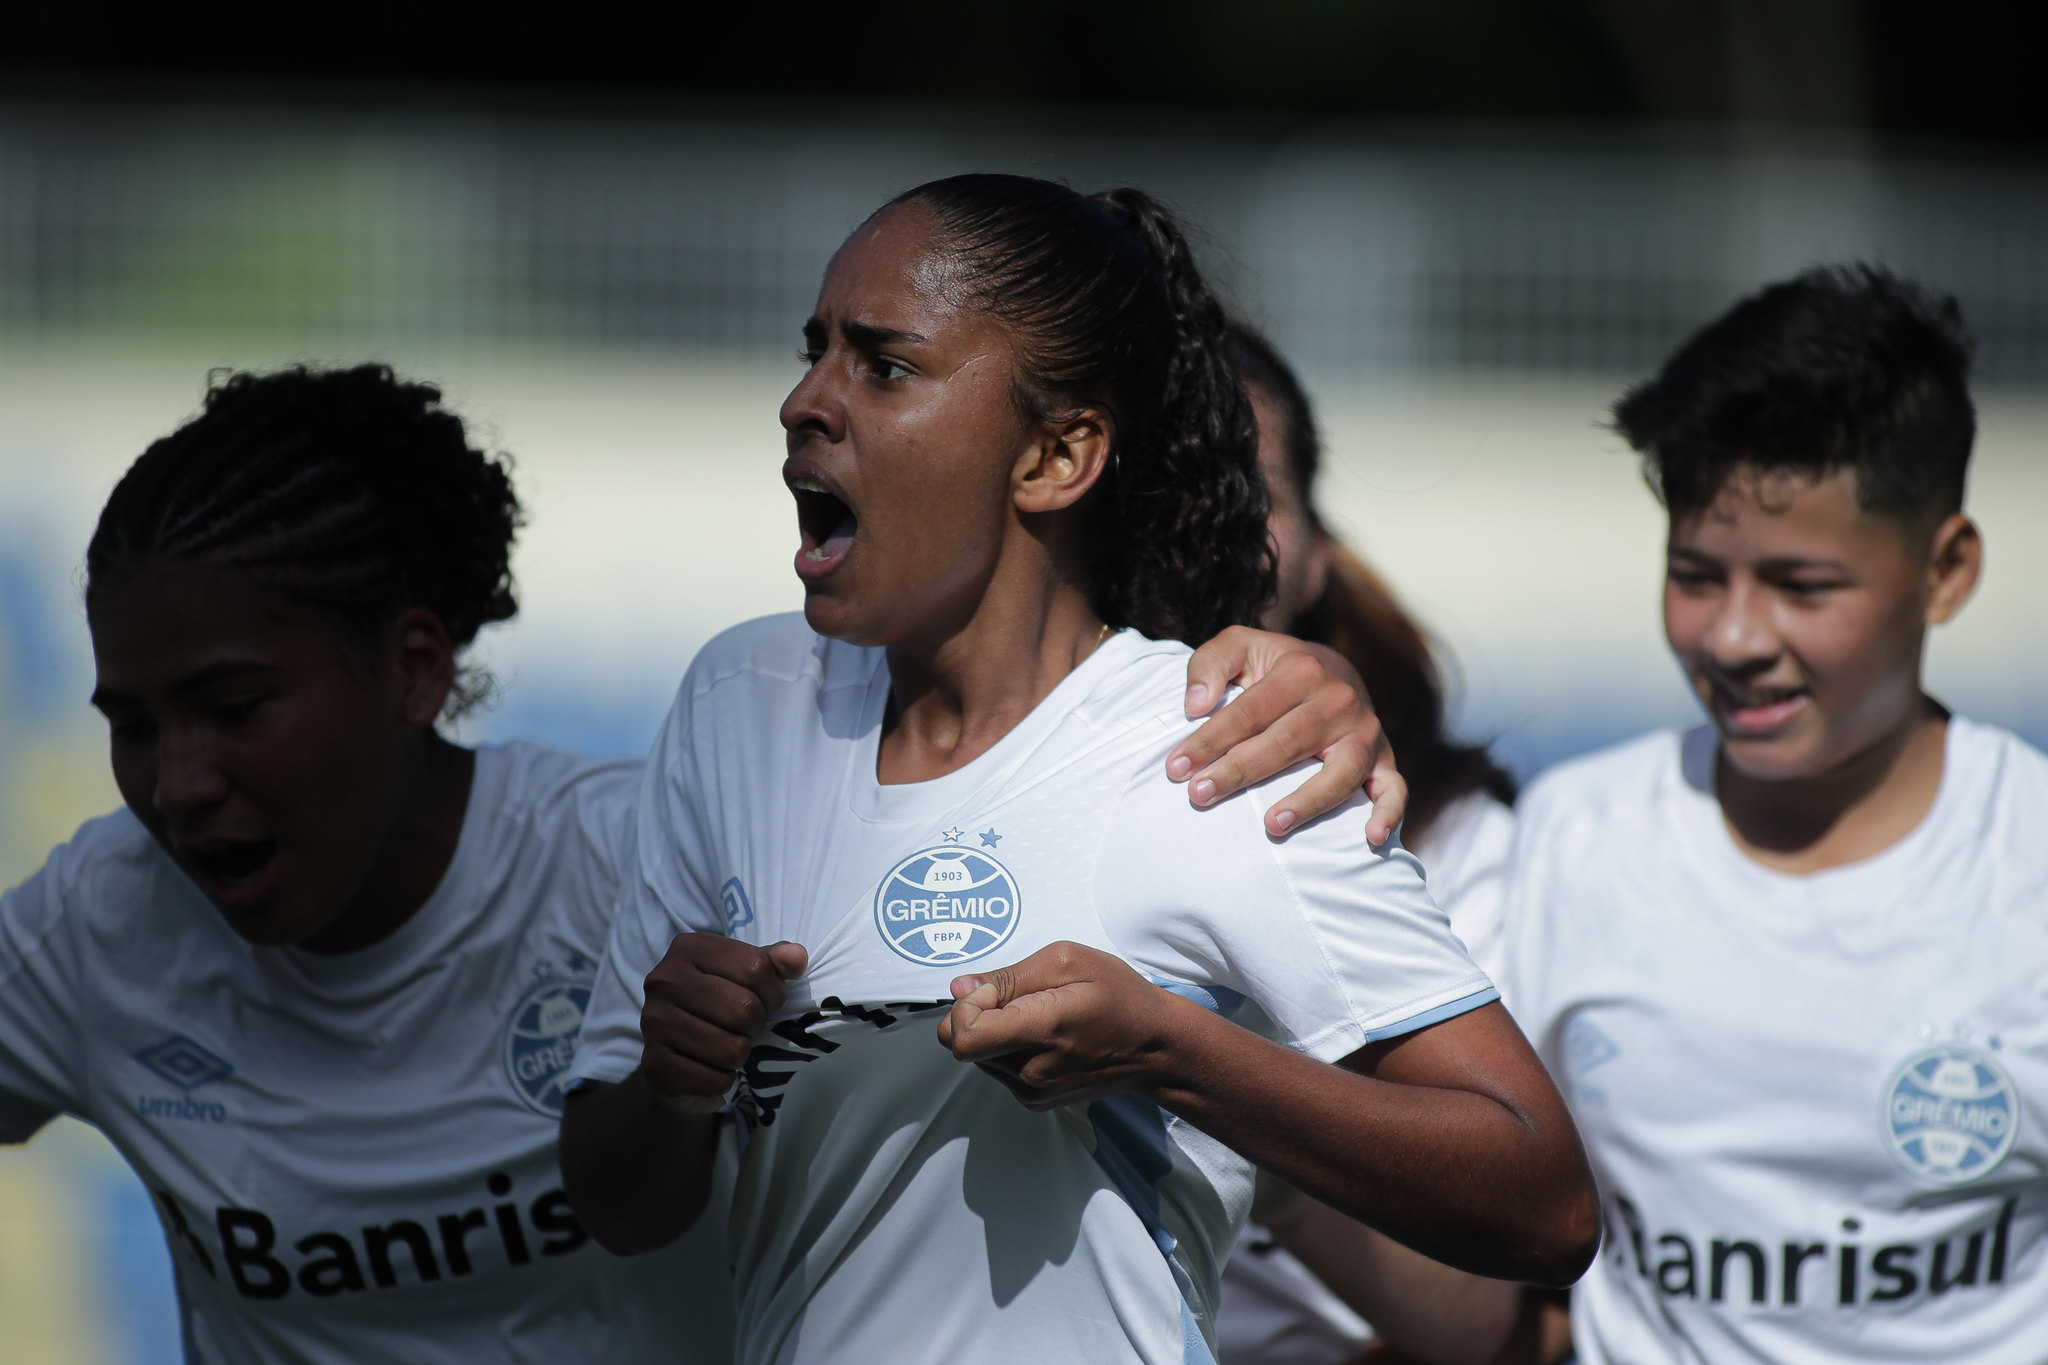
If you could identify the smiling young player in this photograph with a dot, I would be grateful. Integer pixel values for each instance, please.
(321, 980)
(1019, 451)
(1792, 966)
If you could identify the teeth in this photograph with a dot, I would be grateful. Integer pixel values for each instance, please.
(810, 486)
(816, 556)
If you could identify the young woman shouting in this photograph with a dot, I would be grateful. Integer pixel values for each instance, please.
(1023, 467)
(320, 981)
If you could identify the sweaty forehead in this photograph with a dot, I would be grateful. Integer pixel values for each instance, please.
(891, 270)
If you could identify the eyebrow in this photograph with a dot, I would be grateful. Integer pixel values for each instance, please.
(196, 681)
(1775, 562)
(868, 335)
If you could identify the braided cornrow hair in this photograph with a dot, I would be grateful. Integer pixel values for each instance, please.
(1106, 308)
(345, 489)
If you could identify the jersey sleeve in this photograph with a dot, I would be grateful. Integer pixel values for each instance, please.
(666, 890)
(39, 1033)
(1532, 930)
(1336, 942)
(1465, 858)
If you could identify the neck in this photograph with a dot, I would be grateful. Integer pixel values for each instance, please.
(1854, 811)
(953, 698)
(417, 848)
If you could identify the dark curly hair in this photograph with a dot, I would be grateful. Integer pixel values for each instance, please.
(1359, 617)
(1836, 368)
(1102, 299)
(348, 490)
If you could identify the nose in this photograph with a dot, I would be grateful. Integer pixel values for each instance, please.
(1742, 638)
(188, 779)
(814, 407)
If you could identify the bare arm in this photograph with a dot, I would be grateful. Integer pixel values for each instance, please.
(637, 1156)
(1451, 1140)
(1418, 1307)
(637, 1173)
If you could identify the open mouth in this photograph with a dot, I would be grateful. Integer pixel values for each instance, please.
(233, 863)
(1758, 710)
(828, 524)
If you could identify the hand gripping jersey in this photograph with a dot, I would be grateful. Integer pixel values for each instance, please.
(894, 1204)
(353, 1156)
(1274, 1310)
(1815, 1105)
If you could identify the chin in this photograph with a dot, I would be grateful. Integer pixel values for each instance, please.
(830, 618)
(1776, 758)
(837, 618)
(276, 925)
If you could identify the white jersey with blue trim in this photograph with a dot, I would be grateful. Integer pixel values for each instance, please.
(353, 1155)
(894, 1204)
(1275, 1311)
(1817, 1106)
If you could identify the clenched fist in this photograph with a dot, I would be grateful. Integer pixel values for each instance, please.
(706, 999)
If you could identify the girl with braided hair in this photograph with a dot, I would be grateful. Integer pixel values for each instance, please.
(1007, 1024)
(320, 982)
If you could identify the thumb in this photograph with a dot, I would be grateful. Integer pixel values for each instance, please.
(790, 959)
(1211, 668)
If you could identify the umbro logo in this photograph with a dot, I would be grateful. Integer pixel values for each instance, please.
(183, 1063)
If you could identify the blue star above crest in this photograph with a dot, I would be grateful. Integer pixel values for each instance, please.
(953, 834)
(989, 837)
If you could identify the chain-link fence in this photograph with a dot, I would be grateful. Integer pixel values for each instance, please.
(1361, 255)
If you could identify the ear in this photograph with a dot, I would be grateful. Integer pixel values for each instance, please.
(420, 662)
(1955, 561)
(1063, 463)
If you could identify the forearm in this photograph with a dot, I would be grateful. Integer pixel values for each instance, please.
(637, 1173)
(1453, 1173)
(1420, 1307)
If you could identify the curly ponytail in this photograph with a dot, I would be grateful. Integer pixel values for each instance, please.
(1107, 309)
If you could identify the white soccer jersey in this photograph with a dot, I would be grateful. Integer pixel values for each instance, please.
(353, 1155)
(1274, 1310)
(1815, 1105)
(894, 1204)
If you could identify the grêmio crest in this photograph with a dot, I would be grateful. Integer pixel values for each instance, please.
(947, 905)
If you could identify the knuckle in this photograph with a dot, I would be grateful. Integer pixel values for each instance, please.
(753, 1012)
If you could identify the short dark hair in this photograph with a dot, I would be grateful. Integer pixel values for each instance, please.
(348, 490)
(1102, 299)
(1840, 367)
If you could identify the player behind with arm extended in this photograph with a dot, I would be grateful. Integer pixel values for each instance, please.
(1792, 966)
(320, 982)
(1305, 1281)
(1023, 465)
